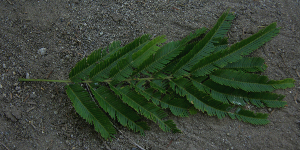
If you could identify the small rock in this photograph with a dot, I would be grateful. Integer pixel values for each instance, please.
(16, 112)
(269, 109)
(0, 86)
(192, 147)
(13, 113)
(27, 76)
(4, 66)
(55, 112)
(9, 115)
(116, 17)
(18, 88)
(68, 142)
(33, 95)
(42, 51)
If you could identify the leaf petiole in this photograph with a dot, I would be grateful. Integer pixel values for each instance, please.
(89, 81)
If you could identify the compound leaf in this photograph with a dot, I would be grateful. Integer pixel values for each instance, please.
(116, 108)
(249, 82)
(88, 110)
(235, 52)
(205, 47)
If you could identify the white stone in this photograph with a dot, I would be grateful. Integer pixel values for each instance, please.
(42, 51)
(27, 76)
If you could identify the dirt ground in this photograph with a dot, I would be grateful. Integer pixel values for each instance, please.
(44, 39)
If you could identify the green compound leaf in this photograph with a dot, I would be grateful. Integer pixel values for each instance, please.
(235, 52)
(248, 64)
(124, 68)
(116, 108)
(249, 82)
(250, 117)
(198, 73)
(102, 70)
(206, 104)
(84, 67)
(230, 95)
(149, 110)
(205, 47)
(88, 110)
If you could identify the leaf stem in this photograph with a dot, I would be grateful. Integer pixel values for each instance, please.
(89, 81)
(47, 80)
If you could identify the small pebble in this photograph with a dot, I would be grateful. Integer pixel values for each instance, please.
(55, 112)
(42, 51)
(18, 88)
(10, 116)
(269, 109)
(4, 66)
(0, 86)
(33, 95)
(116, 17)
(67, 141)
(27, 76)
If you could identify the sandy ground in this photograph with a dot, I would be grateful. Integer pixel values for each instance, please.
(40, 115)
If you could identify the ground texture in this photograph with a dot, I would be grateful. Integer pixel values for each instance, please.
(44, 39)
